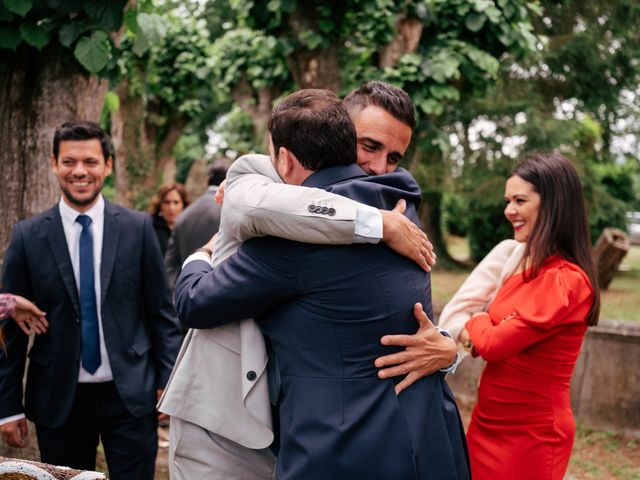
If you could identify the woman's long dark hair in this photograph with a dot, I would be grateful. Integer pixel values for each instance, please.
(561, 227)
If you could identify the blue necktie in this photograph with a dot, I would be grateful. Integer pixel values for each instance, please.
(88, 310)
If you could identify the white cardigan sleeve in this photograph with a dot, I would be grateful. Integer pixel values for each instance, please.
(481, 286)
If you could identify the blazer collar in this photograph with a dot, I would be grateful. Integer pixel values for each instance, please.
(110, 240)
(329, 176)
(58, 243)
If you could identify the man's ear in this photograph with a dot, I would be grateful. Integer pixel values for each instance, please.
(286, 159)
(109, 165)
(54, 163)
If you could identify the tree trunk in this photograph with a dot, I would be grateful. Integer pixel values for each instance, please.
(317, 68)
(611, 247)
(40, 90)
(409, 31)
(143, 142)
(258, 106)
(428, 171)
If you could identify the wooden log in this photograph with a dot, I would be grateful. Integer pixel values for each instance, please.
(609, 251)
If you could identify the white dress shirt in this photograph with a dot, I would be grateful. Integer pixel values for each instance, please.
(72, 231)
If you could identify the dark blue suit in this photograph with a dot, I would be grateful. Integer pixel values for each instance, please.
(324, 309)
(140, 329)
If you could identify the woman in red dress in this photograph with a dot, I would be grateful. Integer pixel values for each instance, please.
(522, 426)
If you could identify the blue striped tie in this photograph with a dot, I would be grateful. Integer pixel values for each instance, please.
(88, 310)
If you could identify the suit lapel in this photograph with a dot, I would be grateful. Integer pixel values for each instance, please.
(60, 249)
(110, 240)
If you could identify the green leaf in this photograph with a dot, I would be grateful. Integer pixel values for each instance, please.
(93, 52)
(484, 61)
(475, 21)
(153, 27)
(65, 6)
(444, 92)
(106, 13)
(311, 39)
(141, 45)
(5, 15)
(430, 106)
(71, 31)
(9, 38)
(112, 102)
(274, 5)
(34, 35)
(131, 21)
(494, 15)
(482, 5)
(21, 7)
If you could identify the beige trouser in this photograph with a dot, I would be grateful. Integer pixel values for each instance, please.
(196, 453)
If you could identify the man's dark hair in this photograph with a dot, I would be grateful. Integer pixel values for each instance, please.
(82, 130)
(217, 171)
(380, 94)
(314, 125)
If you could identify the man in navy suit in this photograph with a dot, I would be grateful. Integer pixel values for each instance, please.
(96, 270)
(324, 310)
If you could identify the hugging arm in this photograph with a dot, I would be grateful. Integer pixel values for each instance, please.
(257, 203)
(246, 285)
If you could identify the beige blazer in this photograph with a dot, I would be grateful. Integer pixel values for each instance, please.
(480, 288)
(219, 381)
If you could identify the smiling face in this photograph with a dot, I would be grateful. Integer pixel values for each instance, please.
(81, 170)
(522, 207)
(171, 206)
(382, 140)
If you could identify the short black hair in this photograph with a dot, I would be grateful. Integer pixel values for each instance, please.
(384, 95)
(217, 171)
(82, 130)
(315, 126)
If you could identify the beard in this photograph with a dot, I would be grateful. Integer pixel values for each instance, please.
(80, 202)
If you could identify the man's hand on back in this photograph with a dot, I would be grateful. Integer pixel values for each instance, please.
(405, 238)
(426, 352)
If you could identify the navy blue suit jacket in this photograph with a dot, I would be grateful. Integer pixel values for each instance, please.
(140, 328)
(324, 309)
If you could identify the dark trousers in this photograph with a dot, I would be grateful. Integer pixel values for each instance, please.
(130, 443)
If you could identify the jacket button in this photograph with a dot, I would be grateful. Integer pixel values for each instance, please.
(324, 210)
(332, 212)
(251, 375)
(312, 208)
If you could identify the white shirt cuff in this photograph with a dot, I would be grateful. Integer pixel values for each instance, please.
(197, 256)
(454, 366)
(368, 224)
(12, 418)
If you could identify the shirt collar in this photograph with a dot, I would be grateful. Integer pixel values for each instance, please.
(69, 214)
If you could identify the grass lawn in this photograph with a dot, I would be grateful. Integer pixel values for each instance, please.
(622, 300)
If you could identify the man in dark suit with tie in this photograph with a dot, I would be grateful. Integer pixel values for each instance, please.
(96, 270)
(324, 309)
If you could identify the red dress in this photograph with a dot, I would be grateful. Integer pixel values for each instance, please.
(522, 426)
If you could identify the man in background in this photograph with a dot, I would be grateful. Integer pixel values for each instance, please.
(197, 224)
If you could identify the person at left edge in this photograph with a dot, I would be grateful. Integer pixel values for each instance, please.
(113, 336)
